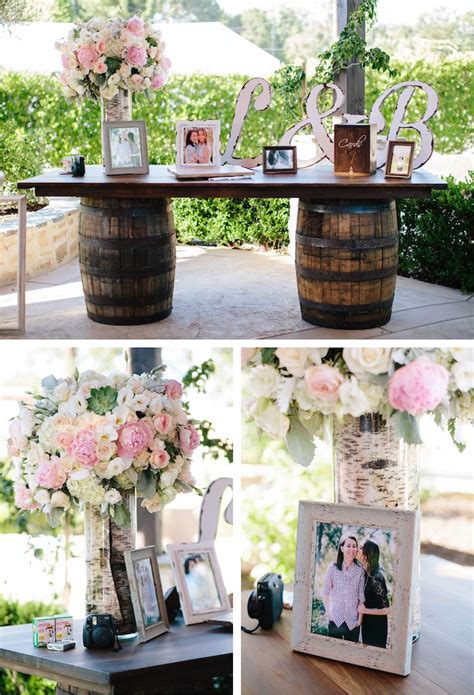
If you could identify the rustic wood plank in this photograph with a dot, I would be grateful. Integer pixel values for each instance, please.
(186, 650)
(318, 182)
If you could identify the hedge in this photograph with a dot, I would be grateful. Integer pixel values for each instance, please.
(15, 613)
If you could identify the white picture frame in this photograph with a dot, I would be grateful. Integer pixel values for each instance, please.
(125, 147)
(146, 591)
(205, 597)
(19, 329)
(397, 525)
(205, 151)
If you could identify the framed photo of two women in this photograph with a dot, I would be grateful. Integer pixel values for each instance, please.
(353, 585)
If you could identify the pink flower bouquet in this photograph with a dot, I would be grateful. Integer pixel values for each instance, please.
(100, 57)
(90, 438)
(292, 391)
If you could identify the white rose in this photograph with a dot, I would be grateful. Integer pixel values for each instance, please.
(105, 450)
(462, 354)
(42, 497)
(293, 359)
(353, 399)
(270, 420)
(112, 497)
(168, 477)
(316, 355)
(372, 360)
(155, 405)
(463, 373)
(114, 467)
(375, 395)
(60, 499)
(153, 504)
(63, 391)
(263, 381)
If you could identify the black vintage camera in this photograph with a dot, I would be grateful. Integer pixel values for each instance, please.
(265, 603)
(99, 631)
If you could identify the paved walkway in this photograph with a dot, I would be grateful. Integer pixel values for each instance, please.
(222, 293)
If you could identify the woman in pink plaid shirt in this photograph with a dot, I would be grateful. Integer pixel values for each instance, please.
(344, 591)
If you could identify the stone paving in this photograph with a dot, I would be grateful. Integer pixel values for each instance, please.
(223, 293)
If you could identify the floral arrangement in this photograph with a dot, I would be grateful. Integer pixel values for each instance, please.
(90, 438)
(102, 56)
(293, 391)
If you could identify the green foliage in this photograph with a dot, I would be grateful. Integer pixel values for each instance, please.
(19, 158)
(15, 613)
(351, 48)
(13, 11)
(198, 375)
(436, 236)
(230, 222)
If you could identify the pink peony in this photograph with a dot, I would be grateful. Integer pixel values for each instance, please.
(82, 448)
(159, 458)
(188, 439)
(24, 498)
(323, 382)
(418, 386)
(173, 390)
(66, 61)
(162, 423)
(157, 82)
(101, 46)
(87, 56)
(50, 474)
(136, 56)
(137, 79)
(135, 26)
(134, 438)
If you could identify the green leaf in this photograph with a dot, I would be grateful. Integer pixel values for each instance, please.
(146, 483)
(102, 400)
(407, 427)
(55, 517)
(122, 516)
(452, 429)
(268, 356)
(299, 442)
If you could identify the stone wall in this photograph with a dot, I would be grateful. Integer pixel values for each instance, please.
(51, 240)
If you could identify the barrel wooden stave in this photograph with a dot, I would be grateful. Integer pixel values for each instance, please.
(127, 255)
(346, 261)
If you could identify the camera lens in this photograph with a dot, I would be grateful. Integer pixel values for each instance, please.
(103, 637)
(252, 606)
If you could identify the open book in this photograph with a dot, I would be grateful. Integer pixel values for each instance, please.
(208, 172)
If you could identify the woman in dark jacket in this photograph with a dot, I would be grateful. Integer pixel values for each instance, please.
(373, 614)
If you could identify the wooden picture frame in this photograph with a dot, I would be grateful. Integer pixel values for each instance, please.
(20, 327)
(205, 151)
(280, 159)
(206, 597)
(317, 573)
(125, 147)
(400, 155)
(146, 592)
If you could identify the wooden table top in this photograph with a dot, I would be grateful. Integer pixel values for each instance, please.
(173, 656)
(317, 182)
(442, 661)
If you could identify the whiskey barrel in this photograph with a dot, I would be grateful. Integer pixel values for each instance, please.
(346, 262)
(127, 256)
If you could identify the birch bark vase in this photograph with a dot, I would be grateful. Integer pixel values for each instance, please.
(373, 466)
(107, 587)
(119, 108)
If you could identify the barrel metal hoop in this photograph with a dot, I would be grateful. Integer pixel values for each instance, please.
(115, 275)
(348, 209)
(347, 308)
(318, 242)
(123, 302)
(354, 276)
(119, 244)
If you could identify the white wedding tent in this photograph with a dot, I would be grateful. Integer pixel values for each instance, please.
(193, 47)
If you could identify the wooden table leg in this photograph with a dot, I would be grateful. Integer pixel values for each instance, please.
(346, 262)
(127, 256)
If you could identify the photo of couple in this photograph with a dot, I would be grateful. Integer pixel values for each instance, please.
(198, 146)
(200, 582)
(351, 588)
(125, 147)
